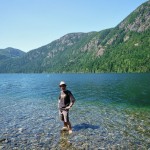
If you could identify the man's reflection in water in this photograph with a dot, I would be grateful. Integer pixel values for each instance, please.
(64, 143)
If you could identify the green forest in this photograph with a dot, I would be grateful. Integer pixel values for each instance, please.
(122, 49)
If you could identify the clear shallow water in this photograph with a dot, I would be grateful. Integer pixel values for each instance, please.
(112, 111)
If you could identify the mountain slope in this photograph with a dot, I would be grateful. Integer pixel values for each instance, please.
(125, 48)
(10, 53)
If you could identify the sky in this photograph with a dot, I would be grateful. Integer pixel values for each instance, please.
(30, 24)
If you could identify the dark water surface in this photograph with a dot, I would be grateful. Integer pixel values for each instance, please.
(112, 111)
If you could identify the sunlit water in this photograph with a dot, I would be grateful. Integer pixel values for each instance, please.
(112, 111)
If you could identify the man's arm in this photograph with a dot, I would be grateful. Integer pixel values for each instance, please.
(72, 101)
(58, 101)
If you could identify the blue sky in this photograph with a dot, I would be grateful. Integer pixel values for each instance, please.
(29, 24)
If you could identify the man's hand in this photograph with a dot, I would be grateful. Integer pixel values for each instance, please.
(67, 108)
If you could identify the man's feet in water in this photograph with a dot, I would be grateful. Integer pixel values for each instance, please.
(70, 131)
(64, 129)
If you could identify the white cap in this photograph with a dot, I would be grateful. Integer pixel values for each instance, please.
(62, 83)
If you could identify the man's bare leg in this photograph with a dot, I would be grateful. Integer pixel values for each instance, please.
(69, 127)
(65, 124)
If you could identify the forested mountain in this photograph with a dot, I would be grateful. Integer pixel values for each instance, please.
(10, 53)
(124, 48)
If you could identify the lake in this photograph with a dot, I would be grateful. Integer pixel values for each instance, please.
(112, 111)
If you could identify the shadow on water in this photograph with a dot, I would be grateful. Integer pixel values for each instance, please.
(85, 126)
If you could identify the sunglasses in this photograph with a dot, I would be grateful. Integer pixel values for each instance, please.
(62, 85)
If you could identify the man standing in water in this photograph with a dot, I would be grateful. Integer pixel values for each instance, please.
(65, 102)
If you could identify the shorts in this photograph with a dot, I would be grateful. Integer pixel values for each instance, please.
(64, 115)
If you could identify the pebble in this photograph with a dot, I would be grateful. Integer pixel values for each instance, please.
(2, 140)
(1, 147)
(20, 130)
